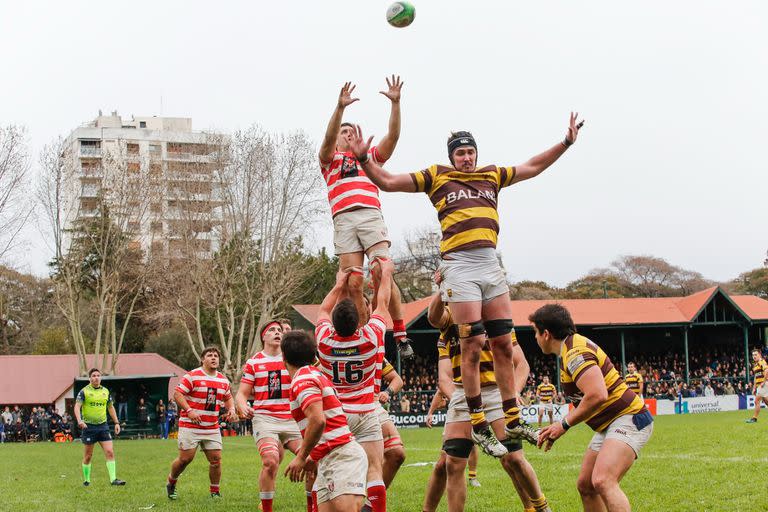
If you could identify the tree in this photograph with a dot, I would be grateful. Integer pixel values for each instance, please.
(533, 290)
(753, 282)
(271, 196)
(598, 284)
(26, 309)
(650, 276)
(417, 263)
(15, 208)
(98, 257)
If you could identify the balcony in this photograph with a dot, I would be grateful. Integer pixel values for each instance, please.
(90, 151)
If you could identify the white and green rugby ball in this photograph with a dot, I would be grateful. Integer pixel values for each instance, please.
(401, 14)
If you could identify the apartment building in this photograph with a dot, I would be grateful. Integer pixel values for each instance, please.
(162, 177)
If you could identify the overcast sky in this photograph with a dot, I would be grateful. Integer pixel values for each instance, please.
(671, 161)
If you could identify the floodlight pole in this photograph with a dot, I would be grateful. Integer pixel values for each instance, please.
(623, 354)
(685, 343)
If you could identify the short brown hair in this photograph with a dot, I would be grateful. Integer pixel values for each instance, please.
(206, 350)
(345, 317)
(555, 319)
(92, 371)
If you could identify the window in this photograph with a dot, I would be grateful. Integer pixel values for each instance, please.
(142, 124)
(133, 148)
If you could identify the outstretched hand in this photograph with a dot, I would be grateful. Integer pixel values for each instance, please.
(358, 146)
(393, 92)
(345, 96)
(573, 128)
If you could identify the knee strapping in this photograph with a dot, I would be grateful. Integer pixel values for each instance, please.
(471, 329)
(512, 445)
(392, 442)
(499, 327)
(459, 448)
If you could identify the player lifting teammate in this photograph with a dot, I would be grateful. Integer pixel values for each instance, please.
(267, 382)
(201, 394)
(621, 422)
(328, 448)
(358, 225)
(457, 443)
(350, 357)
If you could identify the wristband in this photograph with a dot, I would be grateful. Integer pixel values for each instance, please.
(363, 160)
(567, 143)
(388, 391)
(564, 424)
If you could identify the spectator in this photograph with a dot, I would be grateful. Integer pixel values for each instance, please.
(55, 428)
(2, 431)
(19, 431)
(405, 404)
(16, 414)
(121, 398)
(7, 416)
(162, 419)
(709, 391)
(33, 429)
(728, 389)
(172, 413)
(142, 414)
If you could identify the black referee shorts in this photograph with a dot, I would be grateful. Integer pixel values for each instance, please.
(93, 434)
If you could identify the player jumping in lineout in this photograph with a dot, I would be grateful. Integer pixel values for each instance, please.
(358, 225)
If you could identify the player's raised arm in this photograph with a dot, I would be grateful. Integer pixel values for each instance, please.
(334, 125)
(437, 315)
(330, 300)
(540, 162)
(387, 144)
(381, 178)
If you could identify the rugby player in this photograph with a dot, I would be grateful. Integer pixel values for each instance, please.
(546, 392)
(440, 401)
(200, 395)
(266, 381)
(328, 448)
(621, 422)
(474, 283)
(634, 380)
(91, 407)
(457, 440)
(760, 386)
(358, 225)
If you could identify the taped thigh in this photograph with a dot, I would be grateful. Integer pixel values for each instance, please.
(471, 329)
(501, 327)
(457, 447)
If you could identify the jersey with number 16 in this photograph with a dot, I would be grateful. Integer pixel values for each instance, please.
(352, 363)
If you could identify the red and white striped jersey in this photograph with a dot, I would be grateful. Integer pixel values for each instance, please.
(271, 384)
(348, 185)
(352, 363)
(309, 385)
(206, 394)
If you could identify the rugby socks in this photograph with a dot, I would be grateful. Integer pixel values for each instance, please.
(540, 504)
(172, 481)
(215, 489)
(111, 469)
(398, 328)
(511, 412)
(377, 495)
(529, 510)
(86, 472)
(310, 502)
(472, 474)
(476, 413)
(266, 500)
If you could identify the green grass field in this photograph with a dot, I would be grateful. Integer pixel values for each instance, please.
(708, 462)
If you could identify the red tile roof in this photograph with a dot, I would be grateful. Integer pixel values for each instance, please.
(42, 379)
(662, 310)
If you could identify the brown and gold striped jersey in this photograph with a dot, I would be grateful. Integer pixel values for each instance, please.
(758, 370)
(466, 203)
(634, 382)
(578, 354)
(449, 347)
(546, 392)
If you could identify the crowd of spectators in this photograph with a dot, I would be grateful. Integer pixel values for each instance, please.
(715, 370)
(36, 423)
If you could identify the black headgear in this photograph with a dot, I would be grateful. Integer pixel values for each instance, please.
(459, 139)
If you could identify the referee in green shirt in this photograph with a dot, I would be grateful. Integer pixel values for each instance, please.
(93, 402)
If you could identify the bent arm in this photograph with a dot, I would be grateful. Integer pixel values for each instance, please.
(181, 400)
(241, 398)
(314, 430)
(387, 181)
(328, 145)
(394, 382)
(445, 378)
(592, 385)
(329, 302)
(437, 315)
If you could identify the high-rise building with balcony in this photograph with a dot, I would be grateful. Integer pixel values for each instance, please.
(160, 178)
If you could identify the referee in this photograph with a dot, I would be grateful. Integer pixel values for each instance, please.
(91, 407)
